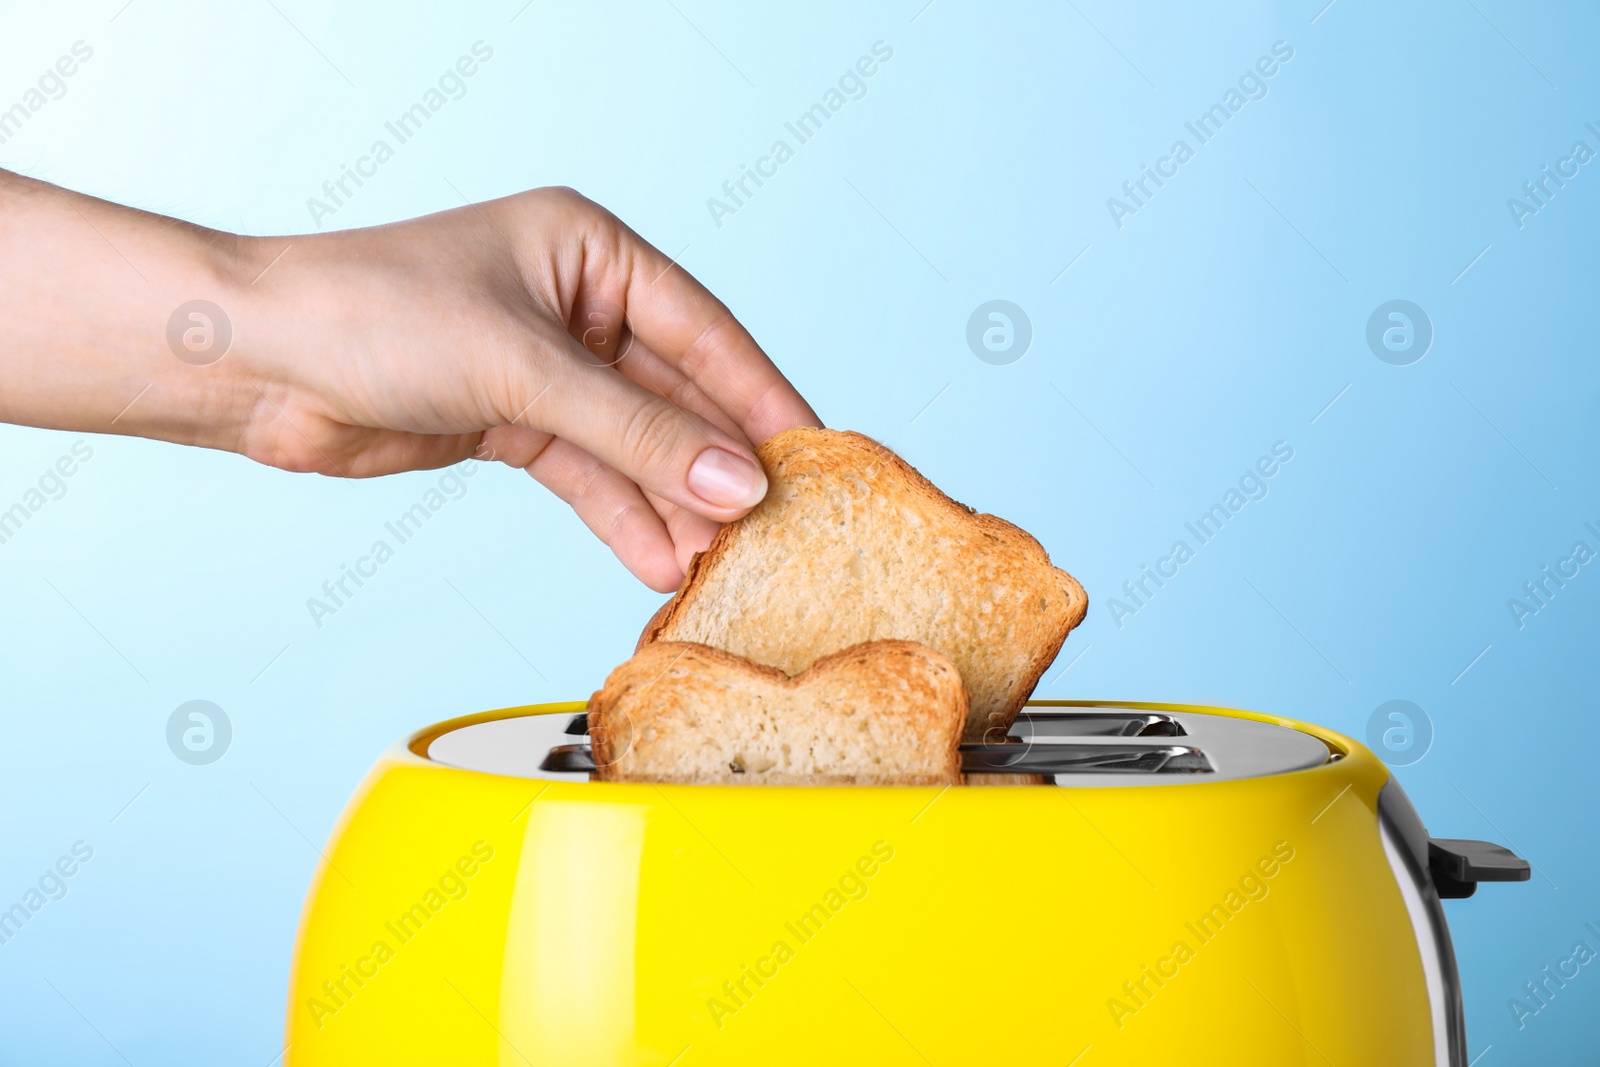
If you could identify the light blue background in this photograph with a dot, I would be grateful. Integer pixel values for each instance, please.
(1222, 318)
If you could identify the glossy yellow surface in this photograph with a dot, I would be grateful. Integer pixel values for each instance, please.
(471, 919)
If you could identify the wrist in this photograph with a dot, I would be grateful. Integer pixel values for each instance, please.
(212, 320)
(92, 293)
(201, 385)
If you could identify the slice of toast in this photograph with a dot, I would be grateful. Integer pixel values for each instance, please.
(881, 713)
(851, 544)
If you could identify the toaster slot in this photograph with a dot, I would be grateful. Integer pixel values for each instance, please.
(1000, 759)
(569, 759)
(1040, 723)
(1043, 723)
(1069, 758)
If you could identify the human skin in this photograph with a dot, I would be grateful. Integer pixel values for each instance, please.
(537, 330)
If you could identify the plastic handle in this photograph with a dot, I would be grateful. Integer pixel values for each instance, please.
(1458, 866)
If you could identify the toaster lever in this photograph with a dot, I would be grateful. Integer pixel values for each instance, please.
(1458, 866)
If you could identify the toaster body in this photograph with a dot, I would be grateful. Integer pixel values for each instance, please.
(474, 910)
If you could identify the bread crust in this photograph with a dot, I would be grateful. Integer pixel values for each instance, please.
(649, 711)
(1026, 642)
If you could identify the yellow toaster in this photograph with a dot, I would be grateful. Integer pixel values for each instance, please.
(1165, 884)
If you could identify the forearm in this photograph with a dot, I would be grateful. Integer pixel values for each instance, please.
(87, 289)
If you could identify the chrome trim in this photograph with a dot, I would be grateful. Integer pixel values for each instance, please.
(1405, 843)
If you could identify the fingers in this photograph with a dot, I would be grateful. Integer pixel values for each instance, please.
(675, 454)
(694, 332)
(598, 325)
(642, 365)
(515, 446)
(690, 533)
(521, 447)
(570, 470)
(614, 509)
(658, 552)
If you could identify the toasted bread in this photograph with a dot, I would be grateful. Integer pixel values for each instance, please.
(851, 544)
(881, 713)
(988, 778)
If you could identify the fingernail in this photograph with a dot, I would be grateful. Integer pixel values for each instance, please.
(725, 480)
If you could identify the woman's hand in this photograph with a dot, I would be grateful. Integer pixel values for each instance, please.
(537, 330)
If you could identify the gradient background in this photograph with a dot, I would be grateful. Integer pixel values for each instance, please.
(1229, 314)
